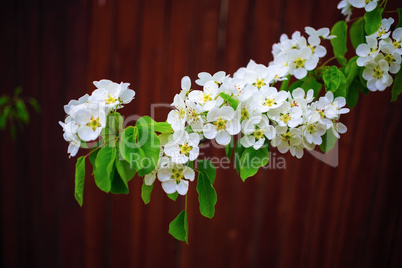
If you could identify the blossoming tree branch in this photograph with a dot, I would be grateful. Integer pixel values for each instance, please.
(258, 104)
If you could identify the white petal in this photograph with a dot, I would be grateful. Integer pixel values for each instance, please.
(188, 173)
(164, 174)
(300, 73)
(185, 83)
(209, 131)
(169, 186)
(223, 138)
(87, 134)
(283, 147)
(182, 188)
(127, 96)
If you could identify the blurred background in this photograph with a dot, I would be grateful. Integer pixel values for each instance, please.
(307, 215)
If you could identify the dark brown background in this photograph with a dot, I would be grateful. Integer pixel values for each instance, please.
(309, 215)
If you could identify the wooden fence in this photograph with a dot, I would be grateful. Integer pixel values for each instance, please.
(307, 215)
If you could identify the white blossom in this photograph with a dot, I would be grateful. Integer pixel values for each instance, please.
(287, 139)
(269, 98)
(383, 32)
(183, 147)
(185, 87)
(314, 129)
(346, 8)
(112, 94)
(177, 117)
(222, 123)
(206, 77)
(376, 75)
(207, 97)
(286, 115)
(301, 61)
(255, 134)
(368, 5)
(175, 178)
(367, 51)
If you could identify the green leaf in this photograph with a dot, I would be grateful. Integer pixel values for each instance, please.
(397, 87)
(4, 100)
(208, 168)
(357, 33)
(229, 148)
(285, 83)
(232, 102)
(238, 152)
(105, 167)
(125, 170)
(146, 191)
(399, 10)
(351, 71)
(341, 91)
(114, 123)
(161, 127)
(331, 78)
(129, 148)
(312, 83)
(79, 179)
(295, 85)
(328, 141)
(119, 186)
(22, 111)
(4, 117)
(178, 228)
(17, 91)
(342, 60)
(173, 196)
(34, 103)
(352, 94)
(372, 20)
(206, 196)
(93, 154)
(252, 160)
(340, 30)
(149, 142)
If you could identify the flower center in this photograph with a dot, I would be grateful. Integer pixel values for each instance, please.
(110, 99)
(239, 89)
(321, 112)
(300, 63)
(378, 73)
(287, 136)
(258, 134)
(244, 114)
(389, 58)
(220, 124)
(177, 175)
(294, 104)
(381, 32)
(269, 102)
(94, 123)
(311, 128)
(372, 50)
(397, 44)
(185, 149)
(182, 113)
(206, 97)
(259, 83)
(285, 118)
